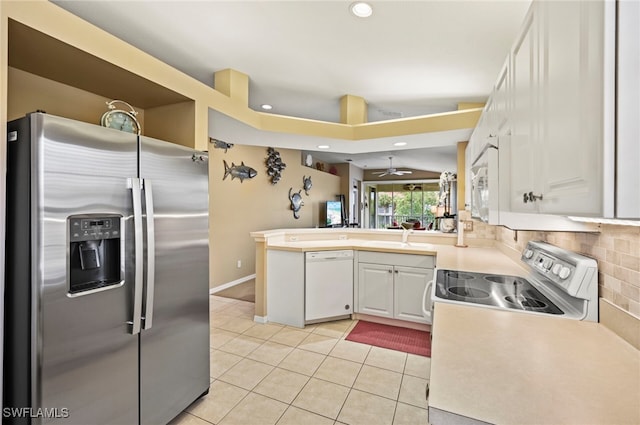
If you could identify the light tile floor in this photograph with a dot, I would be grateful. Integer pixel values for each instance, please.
(266, 374)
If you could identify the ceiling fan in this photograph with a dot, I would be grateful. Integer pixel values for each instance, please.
(391, 171)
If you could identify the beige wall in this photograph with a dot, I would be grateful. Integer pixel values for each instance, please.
(29, 92)
(616, 248)
(236, 209)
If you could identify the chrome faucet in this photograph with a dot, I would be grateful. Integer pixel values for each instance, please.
(406, 229)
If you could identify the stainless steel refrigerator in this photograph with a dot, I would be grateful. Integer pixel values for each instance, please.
(106, 303)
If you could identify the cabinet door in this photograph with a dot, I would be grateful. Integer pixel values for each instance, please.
(571, 109)
(501, 100)
(523, 118)
(628, 111)
(409, 286)
(375, 289)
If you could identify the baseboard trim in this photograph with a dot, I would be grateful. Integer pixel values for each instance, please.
(260, 319)
(231, 284)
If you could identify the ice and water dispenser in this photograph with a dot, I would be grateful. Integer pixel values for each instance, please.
(94, 252)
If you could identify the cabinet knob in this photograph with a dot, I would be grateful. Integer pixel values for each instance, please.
(390, 271)
(530, 197)
(347, 306)
(396, 271)
(534, 198)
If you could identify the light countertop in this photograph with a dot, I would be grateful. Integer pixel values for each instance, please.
(512, 368)
(479, 259)
(498, 366)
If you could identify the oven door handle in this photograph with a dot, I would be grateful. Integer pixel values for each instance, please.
(426, 298)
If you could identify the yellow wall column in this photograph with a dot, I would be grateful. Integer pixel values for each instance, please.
(353, 110)
(233, 84)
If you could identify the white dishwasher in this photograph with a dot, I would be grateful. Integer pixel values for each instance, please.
(328, 285)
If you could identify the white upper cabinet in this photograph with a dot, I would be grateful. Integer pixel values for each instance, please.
(556, 142)
(565, 110)
(627, 199)
(569, 174)
(521, 150)
(555, 128)
(501, 107)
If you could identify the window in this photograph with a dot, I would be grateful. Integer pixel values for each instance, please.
(391, 204)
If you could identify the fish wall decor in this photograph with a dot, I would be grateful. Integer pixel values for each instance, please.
(306, 184)
(219, 144)
(240, 171)
(274, 165)
(296, 202)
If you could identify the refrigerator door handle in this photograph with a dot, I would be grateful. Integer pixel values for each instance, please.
(135, 184)
(151, 255)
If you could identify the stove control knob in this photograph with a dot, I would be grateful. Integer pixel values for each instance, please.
(564, 273)
(528, 253)
(556, 269)
(547, 264)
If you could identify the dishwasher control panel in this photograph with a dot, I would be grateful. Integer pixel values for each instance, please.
(330, 255)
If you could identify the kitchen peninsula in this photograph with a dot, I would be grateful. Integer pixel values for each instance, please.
(481, 255)
(491, 366)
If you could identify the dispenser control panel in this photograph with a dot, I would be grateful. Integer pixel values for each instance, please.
(93, 228)
(94, 255)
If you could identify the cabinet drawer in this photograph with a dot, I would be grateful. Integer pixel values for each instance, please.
(408, 260)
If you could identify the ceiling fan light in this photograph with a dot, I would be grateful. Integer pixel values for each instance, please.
(392, 171)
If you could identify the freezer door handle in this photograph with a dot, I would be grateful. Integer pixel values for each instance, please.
(151, 255)
(135, 184)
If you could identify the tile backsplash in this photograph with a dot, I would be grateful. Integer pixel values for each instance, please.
(616, 248)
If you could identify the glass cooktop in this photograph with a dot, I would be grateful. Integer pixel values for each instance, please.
(508, 292)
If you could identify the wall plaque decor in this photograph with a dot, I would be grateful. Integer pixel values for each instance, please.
(296, 202)
(240, 171)
(219, 144)
(306, 184)
(274, 165)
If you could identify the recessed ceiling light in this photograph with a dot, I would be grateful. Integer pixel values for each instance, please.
(323, 146)
(266, 107)
(400, 144)
(361, 9)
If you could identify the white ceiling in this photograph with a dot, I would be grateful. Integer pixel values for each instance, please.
(410, 58)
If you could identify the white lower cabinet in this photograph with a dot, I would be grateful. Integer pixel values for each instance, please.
(375, 289)
(392, 285)
(388, 285)
(408, 288)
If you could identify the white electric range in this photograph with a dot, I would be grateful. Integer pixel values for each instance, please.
(560, 283)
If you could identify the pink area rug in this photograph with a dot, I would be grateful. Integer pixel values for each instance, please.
(393, 337)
